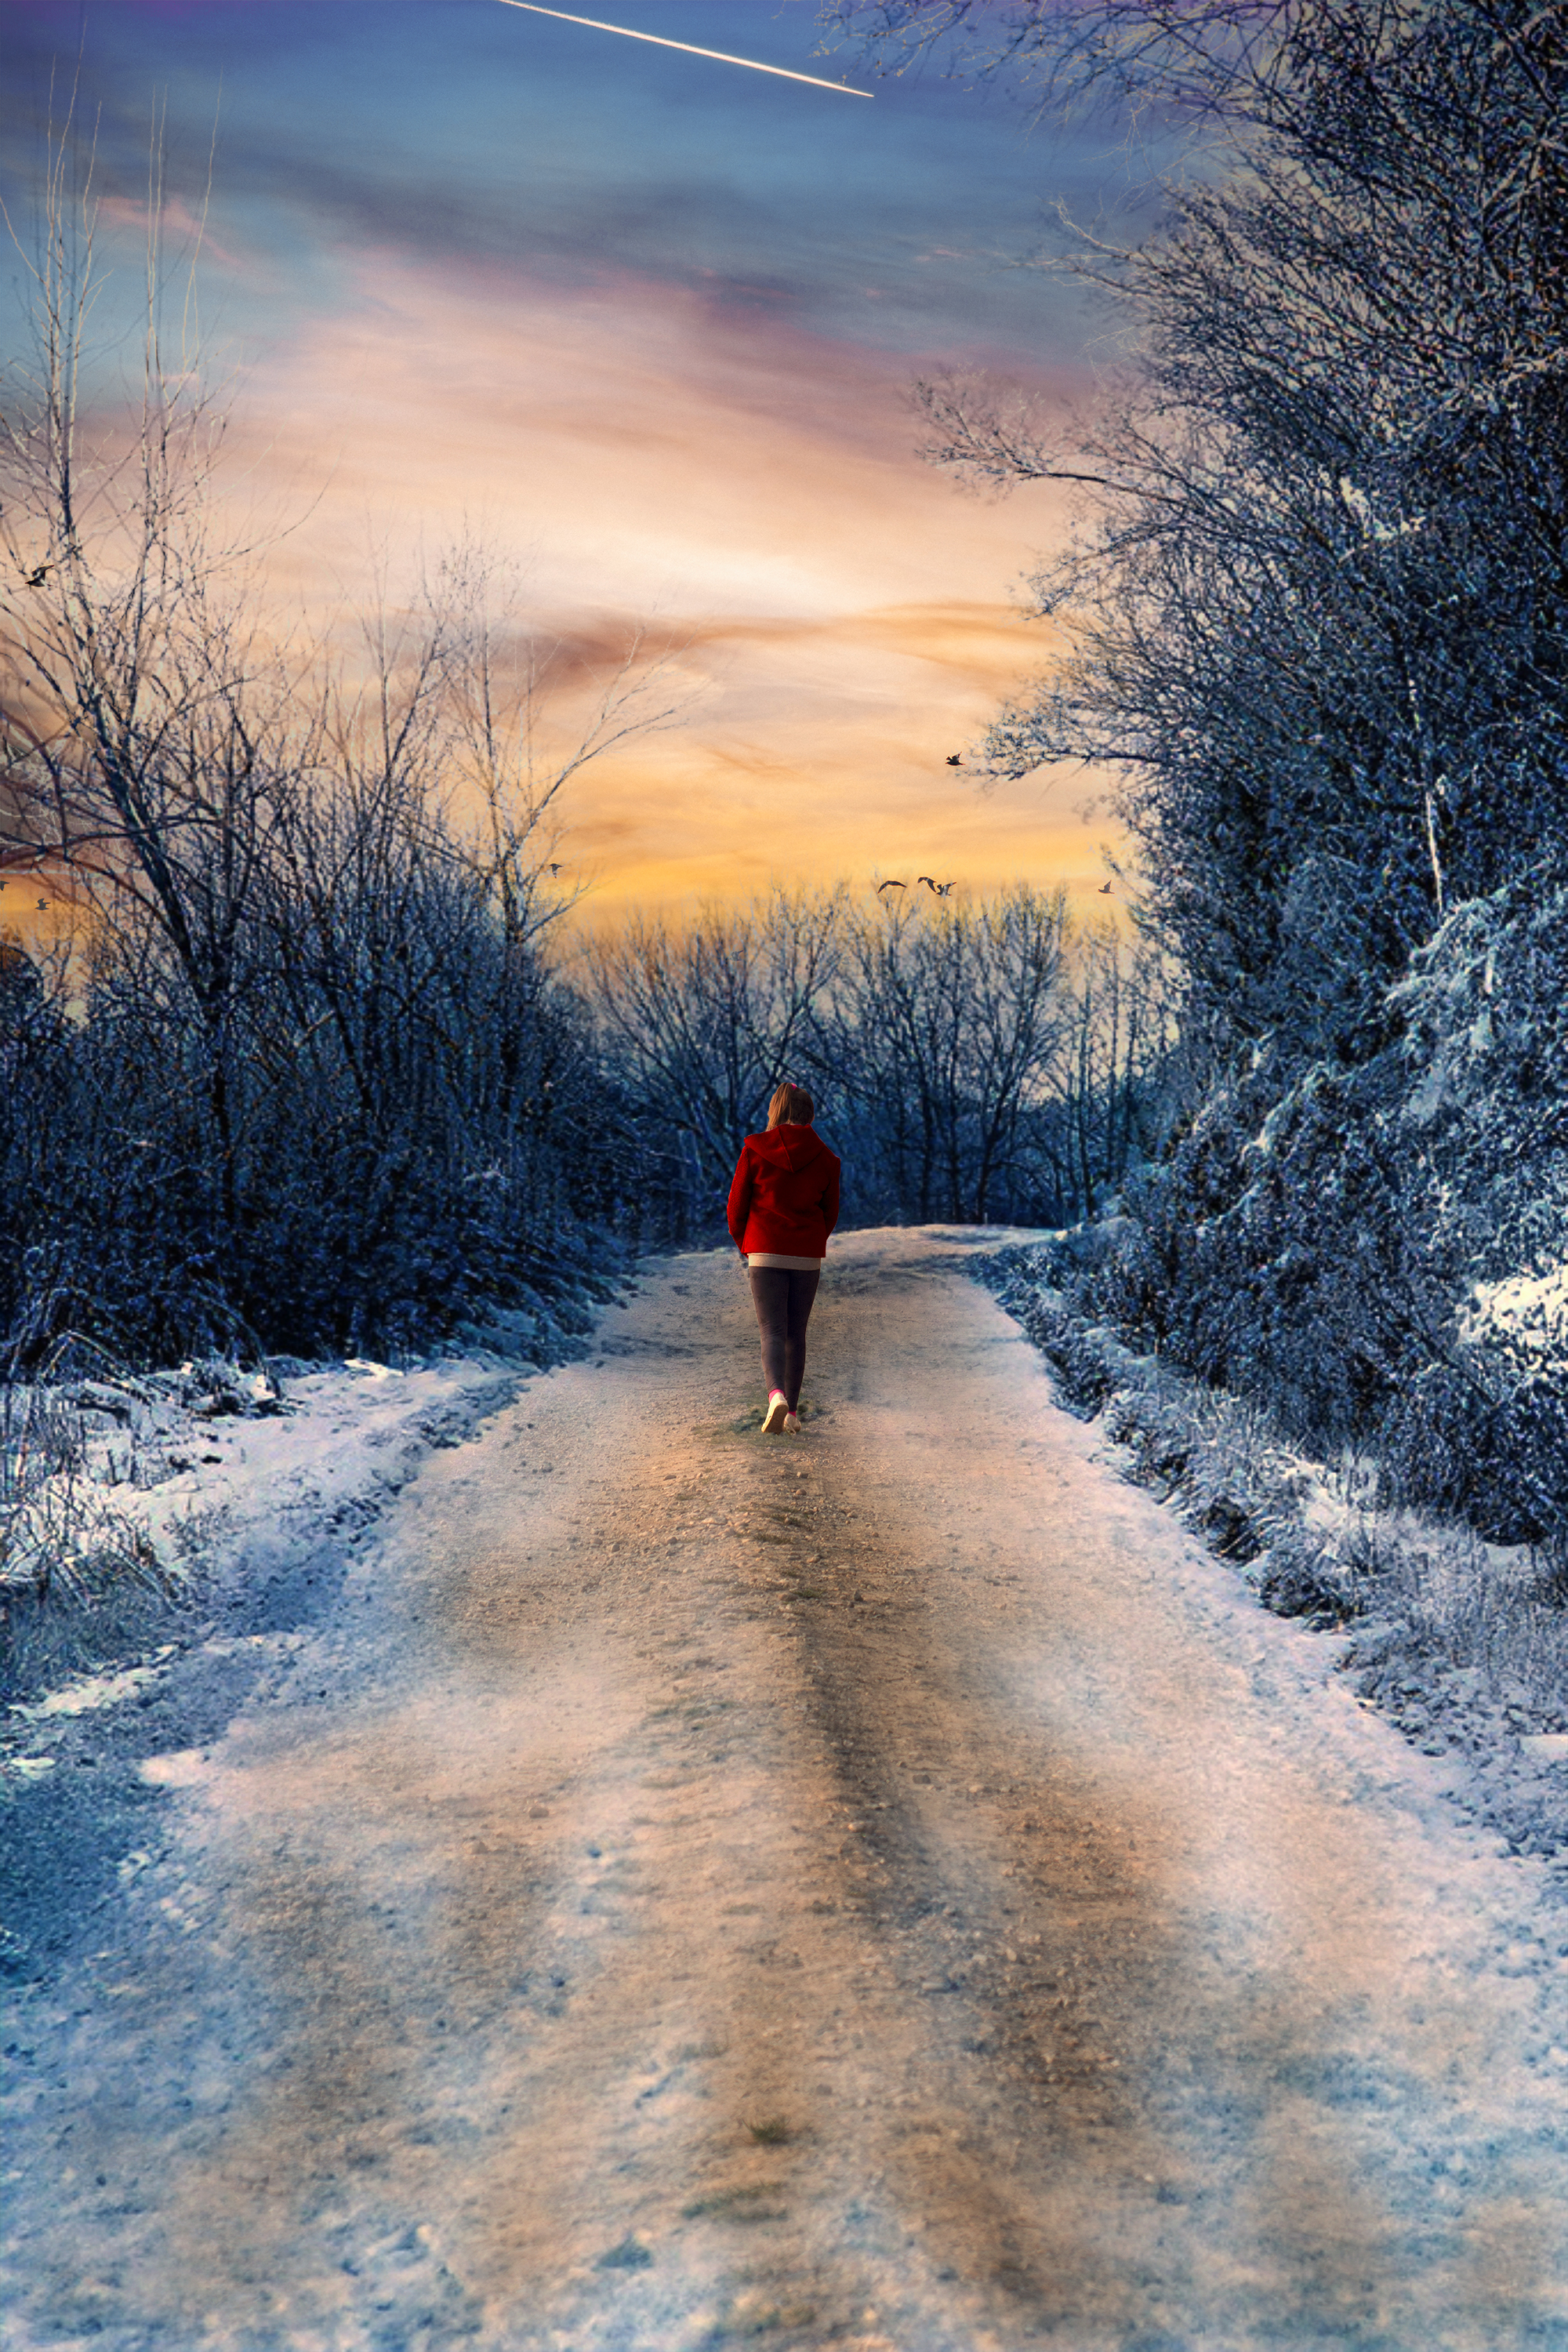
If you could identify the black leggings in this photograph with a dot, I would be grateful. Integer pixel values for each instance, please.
(782, 1296)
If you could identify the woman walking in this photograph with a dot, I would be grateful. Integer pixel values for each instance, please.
(784, 1203)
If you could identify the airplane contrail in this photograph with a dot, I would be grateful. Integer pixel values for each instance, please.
(690, 48)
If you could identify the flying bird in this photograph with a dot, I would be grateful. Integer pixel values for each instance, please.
(955, 759)
(887, 885)
(940, 890)
(1105, 889)
(721, 56)
(37, 579)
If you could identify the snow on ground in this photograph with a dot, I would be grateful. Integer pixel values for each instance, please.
(1462, 1643)
(894, 1892)
(252, 1521)
(175, 1465)
(346, 1441)
(1529, 1309)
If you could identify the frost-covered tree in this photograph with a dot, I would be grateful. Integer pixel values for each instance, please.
(1317, 618)
(1319, 611)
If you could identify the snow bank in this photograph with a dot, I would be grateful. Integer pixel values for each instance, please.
(183, 1495)
(1528, 1310)
(1461, 1642)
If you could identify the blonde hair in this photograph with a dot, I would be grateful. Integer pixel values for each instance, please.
(790, 1105)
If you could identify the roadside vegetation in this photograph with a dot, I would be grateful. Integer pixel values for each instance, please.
(1461, 1641)
(1318, 632)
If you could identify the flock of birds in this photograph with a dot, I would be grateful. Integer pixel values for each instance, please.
(943, 889)
(938, 889)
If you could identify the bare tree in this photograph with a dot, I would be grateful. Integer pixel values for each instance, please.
(1107, 1110)
(321, 1081)
(142, 758)
(708, 1019)
(940, 1030)
(528, 715)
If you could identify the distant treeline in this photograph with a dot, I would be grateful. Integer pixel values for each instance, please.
(971, 1063)
(388, 1118)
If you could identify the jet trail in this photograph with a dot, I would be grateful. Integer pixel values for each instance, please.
(723, 56)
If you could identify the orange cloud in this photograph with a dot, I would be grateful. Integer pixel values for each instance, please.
(839, 607)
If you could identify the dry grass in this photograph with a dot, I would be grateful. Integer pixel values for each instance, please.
(61, 1539)
(79, 1579)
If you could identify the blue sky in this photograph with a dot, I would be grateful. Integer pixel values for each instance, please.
(467, 129)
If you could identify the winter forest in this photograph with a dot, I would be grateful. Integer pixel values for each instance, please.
(595, 1757)
(328, 1067)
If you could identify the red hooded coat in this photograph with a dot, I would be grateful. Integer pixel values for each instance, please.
(785, 1198)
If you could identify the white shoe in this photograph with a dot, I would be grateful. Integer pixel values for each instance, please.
(778, 1408)
(792, 1424)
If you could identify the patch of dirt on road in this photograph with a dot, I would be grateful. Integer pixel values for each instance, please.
(874, 1891)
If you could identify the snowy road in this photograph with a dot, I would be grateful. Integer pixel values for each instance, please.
(886, 1891)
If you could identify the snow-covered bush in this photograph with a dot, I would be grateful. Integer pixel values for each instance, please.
(1462, 1642)
(68, 1548)
(1218, 1459)
(411, 1128)
(1377, 1251)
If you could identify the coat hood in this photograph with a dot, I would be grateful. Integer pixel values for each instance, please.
(793, 1148)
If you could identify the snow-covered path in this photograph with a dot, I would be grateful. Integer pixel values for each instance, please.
(891, 1890)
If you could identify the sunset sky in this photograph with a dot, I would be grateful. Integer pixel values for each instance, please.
(645, 323)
